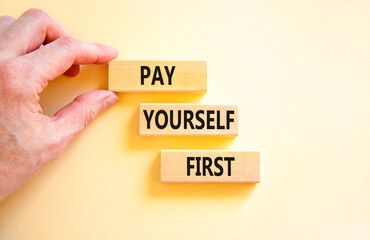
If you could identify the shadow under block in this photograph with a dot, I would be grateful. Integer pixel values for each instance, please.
(158, 119)
(210, 166)
(158, 76)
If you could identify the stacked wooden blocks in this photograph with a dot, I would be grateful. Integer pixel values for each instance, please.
(185, 120)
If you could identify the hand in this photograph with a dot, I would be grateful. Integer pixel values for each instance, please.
(34, 49)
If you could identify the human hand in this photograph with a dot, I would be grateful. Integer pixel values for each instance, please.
(34, 49)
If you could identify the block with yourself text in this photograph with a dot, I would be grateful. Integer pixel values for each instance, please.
(188, 120)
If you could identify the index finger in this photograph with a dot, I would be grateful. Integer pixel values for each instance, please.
(5, 21)
(29, 32)
(55, 58)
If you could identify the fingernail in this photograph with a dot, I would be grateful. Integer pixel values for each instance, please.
(111, 48)
(110, 100)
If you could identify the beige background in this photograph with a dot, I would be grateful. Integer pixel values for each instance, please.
(299, 71)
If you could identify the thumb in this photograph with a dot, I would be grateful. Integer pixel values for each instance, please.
(74, 117)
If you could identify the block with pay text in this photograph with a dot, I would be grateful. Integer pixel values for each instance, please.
(158, 76)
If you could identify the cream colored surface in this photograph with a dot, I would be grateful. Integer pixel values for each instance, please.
(299, 71)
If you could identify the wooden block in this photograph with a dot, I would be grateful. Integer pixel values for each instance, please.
(158, 76)
(188, 119)
(210, 166)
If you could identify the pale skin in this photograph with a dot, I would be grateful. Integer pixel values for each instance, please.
(35, 49)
